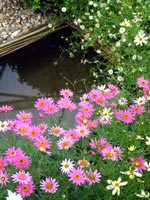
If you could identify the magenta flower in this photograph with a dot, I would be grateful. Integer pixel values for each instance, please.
(24, 117)
(3, 164)
(42, 143)
(3, 178)
(139, 163)
(34, 132)
(66, 93)
(114, 89)
(13, 154)
(49, 185)
(66, 103)
(77, 176)
(82, 131)
(142, 82)
(22, 162)
(72, 134)
(93, 177)
(21, 177)
(6, 108)
(94, 94)
(65, 143)
(137, 109)
(87, 109)
(56, 131)
(51, 109)
(25, 190)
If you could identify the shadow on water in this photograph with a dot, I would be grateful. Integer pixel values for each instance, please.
(40, 70)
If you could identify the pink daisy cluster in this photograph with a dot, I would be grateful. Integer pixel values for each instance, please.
(105, 149)
(16, 157)
(65, 101)
(47, 105)
(80, 175)
(23, 126)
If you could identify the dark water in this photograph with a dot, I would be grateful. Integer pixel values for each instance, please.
(41, 69)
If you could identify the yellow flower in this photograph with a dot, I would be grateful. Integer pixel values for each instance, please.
(132, 148)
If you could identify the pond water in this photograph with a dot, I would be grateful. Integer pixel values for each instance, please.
(40, 69)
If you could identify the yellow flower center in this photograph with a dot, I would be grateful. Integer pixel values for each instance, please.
(66, 165)
(25, 188)
(49, 186)
(77, 176)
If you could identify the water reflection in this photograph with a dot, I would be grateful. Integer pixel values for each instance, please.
(33, 71)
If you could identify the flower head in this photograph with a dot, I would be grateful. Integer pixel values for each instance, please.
(77, 176)
(66, 166)
(93, 177)
(13, 196)
(139, 163)
(25, 190)
(115, 186)
(49, 185)
(21, 177)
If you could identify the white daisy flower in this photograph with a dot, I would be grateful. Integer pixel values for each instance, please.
(115, 186)
(66, 166)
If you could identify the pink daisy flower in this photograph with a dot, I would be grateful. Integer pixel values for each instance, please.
(137, 109)
(109, 154)
(21, 177)
(67, 166)
(101, 100)
(93, 177)
(6, 108)
(139, 163)
(22, 128)
(3, 178)
(114, 89)
(43, 127)
(34, 132)
(142, 82)
(118, 152)
(3, 164)
(66, 93)
(107, 94)
(92, 124)
(24, 117)
(13, 154)
(147, 91)
(25, 190)
(94, 94)
(82, 131)
(51, 109)
(65, 143)
(127, 117)
(87, 109)
(42, 143)
(66, 103)
(100, 144)
(72, 134)
(77, 176)
(22, 162)
(49, 185)
(56, 131)
(42, 102)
